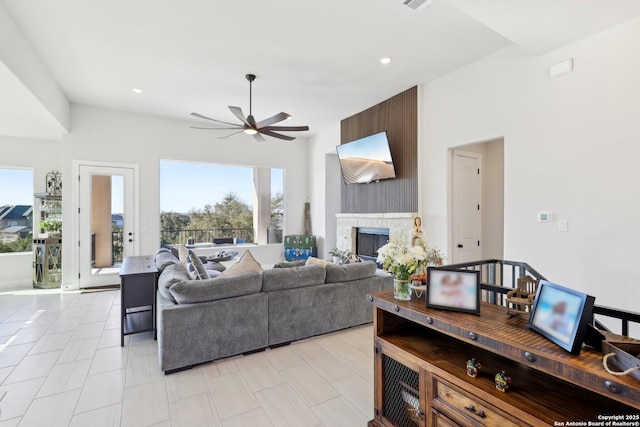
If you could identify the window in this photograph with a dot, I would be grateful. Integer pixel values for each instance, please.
(16, 210)
(211, 203)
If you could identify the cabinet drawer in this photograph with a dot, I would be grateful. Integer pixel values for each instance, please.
(447, 396)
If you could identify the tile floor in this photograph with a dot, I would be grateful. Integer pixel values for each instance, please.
(61, 364)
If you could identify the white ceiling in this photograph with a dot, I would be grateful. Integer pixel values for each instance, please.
(316, 60)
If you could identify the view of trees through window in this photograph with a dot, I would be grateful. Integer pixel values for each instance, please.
(209, 203)
(16, 210)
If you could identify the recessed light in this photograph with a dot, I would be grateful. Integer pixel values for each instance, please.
(385, 60)
(136, 90)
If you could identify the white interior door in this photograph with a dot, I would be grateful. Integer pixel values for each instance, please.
(466, 213)
(106, 223)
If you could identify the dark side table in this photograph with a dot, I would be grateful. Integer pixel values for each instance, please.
(138, 284)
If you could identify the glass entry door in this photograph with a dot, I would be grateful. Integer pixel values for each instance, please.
(106, 226)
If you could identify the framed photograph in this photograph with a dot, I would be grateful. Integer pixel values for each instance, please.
(562, 315)
(450, 289)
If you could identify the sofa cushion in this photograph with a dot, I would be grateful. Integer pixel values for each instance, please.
(201, 272)
(347, 272)
(247, 263)
(317, 261)
(290, 264)
(212, 265)
(194, 291)
(213, 273)
(164, 259)
(278, 279)
(171, 275)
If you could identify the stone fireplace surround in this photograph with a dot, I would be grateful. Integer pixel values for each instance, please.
(400, 225)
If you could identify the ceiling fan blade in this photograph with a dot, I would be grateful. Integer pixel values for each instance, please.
(235, 127)
(237, 111)
(258, 137)
(287, 128)
(200, 116)
(230, 135)
(276, 135)
(273, 119)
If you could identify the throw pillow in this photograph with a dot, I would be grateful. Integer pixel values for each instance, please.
(313, 260)
(246, 264)
(183, 254)
(211, 265)
(290, 264)
(197, 264)
(213, 273)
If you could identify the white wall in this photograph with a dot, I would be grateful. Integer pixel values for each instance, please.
(111, 136)
(571, 146)
(16, 271)
(323, 143)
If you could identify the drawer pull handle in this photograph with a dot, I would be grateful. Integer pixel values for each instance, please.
(473, 336)
(472, 409)
(530, 356)
(369, 298)
(429, 320)
(396, 308)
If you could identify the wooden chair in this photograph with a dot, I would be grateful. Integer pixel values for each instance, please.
(520, 300)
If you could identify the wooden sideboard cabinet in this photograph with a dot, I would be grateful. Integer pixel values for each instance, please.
(421, 378)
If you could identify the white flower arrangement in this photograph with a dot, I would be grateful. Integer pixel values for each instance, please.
(400, 259)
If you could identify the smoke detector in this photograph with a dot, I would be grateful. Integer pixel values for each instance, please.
(417, 5)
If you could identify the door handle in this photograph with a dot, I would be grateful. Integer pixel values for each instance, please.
(460, 246)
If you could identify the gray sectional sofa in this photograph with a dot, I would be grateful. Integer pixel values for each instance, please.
(203, 320)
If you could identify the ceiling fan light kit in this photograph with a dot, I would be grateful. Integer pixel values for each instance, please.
(250, 126)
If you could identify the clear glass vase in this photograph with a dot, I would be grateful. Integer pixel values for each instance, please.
(401, 289)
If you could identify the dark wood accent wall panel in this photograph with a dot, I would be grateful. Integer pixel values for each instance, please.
(399, 117)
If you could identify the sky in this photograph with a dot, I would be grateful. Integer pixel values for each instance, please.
(371, 147)
(187, 185)
(16, 187)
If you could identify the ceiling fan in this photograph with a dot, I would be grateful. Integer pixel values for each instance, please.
(249, 124)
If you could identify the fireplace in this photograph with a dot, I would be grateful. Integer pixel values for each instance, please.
(369, 240)
(376, 228)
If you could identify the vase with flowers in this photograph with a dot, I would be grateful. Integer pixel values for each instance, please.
(401, 260)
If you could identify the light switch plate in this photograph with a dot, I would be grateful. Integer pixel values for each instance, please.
(563, 225)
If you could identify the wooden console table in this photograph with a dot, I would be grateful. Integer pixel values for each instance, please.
(421, 378)
(138, 283)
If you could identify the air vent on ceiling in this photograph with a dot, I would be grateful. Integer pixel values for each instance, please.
(417, 5)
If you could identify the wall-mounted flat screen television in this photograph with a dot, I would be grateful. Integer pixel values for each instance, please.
(561, 315)
(366, 159)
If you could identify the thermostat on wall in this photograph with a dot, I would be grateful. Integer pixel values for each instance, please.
(544, 216)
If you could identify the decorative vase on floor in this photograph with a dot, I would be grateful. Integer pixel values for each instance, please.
(401, 289)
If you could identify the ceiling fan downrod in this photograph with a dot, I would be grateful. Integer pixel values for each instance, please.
(251, 78)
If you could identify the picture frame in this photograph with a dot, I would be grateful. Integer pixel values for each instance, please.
(562, 315)
(453, 289)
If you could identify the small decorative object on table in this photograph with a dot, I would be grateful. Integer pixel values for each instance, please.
(502, 381)
(623, 355)
(520, 300)
(473, 367)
